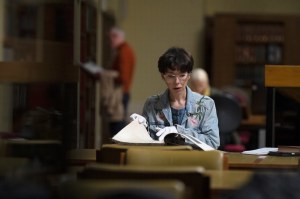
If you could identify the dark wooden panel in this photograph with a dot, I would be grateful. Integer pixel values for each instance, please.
(27, 72)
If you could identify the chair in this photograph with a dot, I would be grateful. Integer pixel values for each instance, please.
(210, 160)
(91, 189)
(196, 183)
(116, 153)
(229, 114)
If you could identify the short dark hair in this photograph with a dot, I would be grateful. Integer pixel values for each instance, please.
(176, 58)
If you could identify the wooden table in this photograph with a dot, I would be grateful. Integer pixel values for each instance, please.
(254, 120)
(242, 161)
(81, 157)
(49, 153)
(192, 176)
(223, 182)
(258, 124)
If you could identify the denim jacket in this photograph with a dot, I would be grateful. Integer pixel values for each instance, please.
(200, 119)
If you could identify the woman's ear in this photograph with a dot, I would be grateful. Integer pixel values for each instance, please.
(189, 76)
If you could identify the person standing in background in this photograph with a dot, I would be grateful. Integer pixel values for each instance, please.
(123, 63)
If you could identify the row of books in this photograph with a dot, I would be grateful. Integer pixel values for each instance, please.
(271, 53)
(260, 33)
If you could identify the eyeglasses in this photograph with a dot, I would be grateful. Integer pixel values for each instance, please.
(170, 77)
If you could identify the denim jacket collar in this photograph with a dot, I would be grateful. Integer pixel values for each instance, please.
(163, 105)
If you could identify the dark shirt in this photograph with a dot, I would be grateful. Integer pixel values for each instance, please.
(177, 115)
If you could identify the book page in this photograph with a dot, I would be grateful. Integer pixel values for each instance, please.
(197, 142)
(135, 133)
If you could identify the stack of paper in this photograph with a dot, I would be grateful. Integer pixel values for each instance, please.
(260, 151)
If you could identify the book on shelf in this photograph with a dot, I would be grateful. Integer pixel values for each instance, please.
(136, 134)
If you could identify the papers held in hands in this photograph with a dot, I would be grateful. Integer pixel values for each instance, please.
(91, 67)
(135, 133)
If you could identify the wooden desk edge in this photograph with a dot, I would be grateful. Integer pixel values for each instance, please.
(242, 166)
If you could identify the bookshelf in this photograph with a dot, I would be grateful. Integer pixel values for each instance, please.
(38, 62)
(241, 46)
(257, 44)
(87, 95)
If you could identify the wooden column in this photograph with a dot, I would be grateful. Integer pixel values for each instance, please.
(5, 89)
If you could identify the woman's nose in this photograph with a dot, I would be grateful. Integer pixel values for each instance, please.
(177, 80)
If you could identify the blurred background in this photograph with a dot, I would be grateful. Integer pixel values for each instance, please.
(45, 95)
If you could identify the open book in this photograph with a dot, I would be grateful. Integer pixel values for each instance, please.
(135, 133)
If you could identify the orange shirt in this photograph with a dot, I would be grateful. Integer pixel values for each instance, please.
(124, 63)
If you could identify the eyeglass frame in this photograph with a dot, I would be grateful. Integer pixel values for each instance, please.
(171, 77)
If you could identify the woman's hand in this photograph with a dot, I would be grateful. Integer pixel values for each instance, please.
(165, 131)
(139, 118)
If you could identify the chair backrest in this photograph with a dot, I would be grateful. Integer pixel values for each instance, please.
(212, 160)
(229, 113)
(116, 153)
(91, 189)
(192, 177)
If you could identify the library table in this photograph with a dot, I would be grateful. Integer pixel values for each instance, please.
(223, 182)
(49, 153)
(265, 162)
